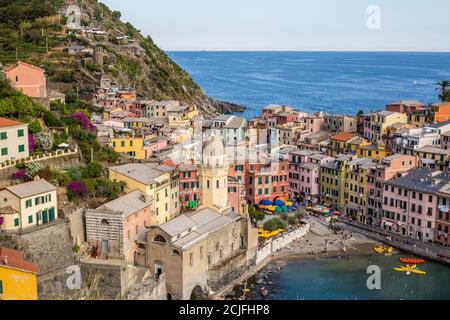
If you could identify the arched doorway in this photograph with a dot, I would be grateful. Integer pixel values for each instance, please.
(159, 268)
(198, 293)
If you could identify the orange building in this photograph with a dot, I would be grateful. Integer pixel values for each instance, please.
(28, 79)
(441, 111)
(17, 277)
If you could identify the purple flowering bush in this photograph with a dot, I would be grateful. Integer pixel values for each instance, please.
(83, 120)
(20, 175)
(76, 189)
(31, 143)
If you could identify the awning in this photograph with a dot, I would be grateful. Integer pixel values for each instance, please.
(389, 224)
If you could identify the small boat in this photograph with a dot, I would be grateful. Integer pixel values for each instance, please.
(412, 260)
(410, 269)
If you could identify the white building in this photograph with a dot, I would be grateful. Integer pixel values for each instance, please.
(13, 140)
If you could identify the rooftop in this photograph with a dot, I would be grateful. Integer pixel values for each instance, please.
(14, 259)
(421, 180)
(140, 172)
(4, 123)
(128, 204)
(31, 188)
(199, 225)
(343, 136)
(436, 150)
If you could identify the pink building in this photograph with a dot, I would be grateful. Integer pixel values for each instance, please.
(304, 171)
(155, 145)
(405, 106)
(315, 122)
(410, 203)
(387, 169)
(27, 78)
(235, 194)
(445, 140)
(114, 227)
(287, 117)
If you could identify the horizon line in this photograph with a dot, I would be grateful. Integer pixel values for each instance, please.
(329, 51)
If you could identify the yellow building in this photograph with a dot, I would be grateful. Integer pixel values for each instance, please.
(180, 116)
(133, 146)
(107, 112)
(150, 180)
(380, 121)
(290, 134)
(371, 151)
(332, 181)
(17, 277)
(356, 191)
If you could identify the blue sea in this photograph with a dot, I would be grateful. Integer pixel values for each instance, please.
(336, 82)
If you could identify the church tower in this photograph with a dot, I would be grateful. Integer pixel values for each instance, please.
(214, 175)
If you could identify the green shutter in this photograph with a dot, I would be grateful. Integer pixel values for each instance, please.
(3, 136)
(30, 219)
(52, 214)
(21, 148)
(1, 286)
(4, 151)
(44, 216)
(20, 133)
(16, 222)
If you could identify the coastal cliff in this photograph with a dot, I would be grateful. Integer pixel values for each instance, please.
(76, 59)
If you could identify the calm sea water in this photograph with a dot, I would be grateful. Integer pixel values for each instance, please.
(337, 82)
(340, 279)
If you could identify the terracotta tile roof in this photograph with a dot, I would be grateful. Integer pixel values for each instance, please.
(15, 65)
(9, 123)
(343, 136)
(14, 259)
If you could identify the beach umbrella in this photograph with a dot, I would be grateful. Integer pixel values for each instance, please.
(279, 210)
(278, 203)
(266, 203)
(284, 208)
(282, 199)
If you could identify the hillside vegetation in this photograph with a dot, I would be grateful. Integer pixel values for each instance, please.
(35, 31)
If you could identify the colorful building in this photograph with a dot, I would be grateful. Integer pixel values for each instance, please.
(28, 79)
(190, 193)
(380, 121)
(440, 111)
(115, 226)
(405, 106)
(150, 180)
(410, 203)
(339, 143)
(28, 205)
(332, 181)
(17, 277)
(441, 233)
(13, 140)
(132, 146)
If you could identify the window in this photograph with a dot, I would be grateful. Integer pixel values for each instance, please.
(3, 136)
(159, 239)
(122, 144)
(30, 219)
(20, 133)
(201, 253)
(131, 143)
(29, 203)
(21, 148)
(4, 151)
(191, 259)
(1, 287)
(16, 222)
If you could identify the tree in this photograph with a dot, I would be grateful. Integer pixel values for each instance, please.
(275, 224)
(92, 170)
(444, 90)
(255, 214)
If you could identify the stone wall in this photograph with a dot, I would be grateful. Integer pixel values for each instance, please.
(50, 246)
(280, 242)
(226, 272)
(77, 227)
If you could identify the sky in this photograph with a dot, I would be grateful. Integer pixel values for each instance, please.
(291, 25)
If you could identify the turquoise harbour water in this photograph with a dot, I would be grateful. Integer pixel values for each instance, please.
(336, 82)
(342, 279)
